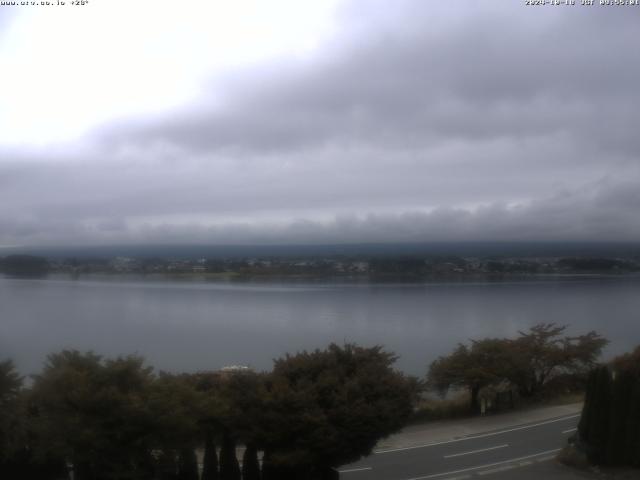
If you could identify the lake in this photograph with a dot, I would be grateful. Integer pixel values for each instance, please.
(189, 325)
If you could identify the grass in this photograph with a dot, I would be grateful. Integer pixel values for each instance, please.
(457, 406)
(430, 409)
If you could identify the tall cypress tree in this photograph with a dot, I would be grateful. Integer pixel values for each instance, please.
(586, 419)
(250, 464)
(167, 466)
(210, 462)
(267, 467)
(616, 444)
(628, 368)
(229, 467)
(599, 429)
(633, 427)
(610, 424)
(188, 465)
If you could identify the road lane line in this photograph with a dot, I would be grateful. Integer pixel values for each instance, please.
(545, 459)
(488, 465)
(350, 470)
(476, 451)
(473, 437)
(570, 430)
(497, 470)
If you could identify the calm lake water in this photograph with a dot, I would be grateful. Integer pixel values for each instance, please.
(191, 325)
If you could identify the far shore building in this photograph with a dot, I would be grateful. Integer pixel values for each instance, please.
(234, 370)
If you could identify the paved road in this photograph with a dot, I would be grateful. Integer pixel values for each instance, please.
(483, 454)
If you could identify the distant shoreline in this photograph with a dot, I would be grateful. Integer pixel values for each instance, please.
(234, 277)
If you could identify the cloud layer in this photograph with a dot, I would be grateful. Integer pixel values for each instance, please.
(447, 122)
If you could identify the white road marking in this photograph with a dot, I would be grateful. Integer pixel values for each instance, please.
(484, 435)
(488, 465)
(545, 459)
(570, 430)
(355, 470)
(476, 451)
(497, 470)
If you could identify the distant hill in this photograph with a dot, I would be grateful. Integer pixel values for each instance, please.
(23, 265)
(467, 249)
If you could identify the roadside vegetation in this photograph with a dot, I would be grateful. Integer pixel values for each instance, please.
(499, 373)
(115, 419)
(609, 430)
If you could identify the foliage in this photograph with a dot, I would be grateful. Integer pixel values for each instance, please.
(330, 407)
(430, 409)
(229, 466)
(609, 429)
(177, 409)
(628, 362)
(188, 465)
(17, 439)
(250, 464)
(95, 413)
(482, 364)
(529, 363)
(398, 266)
(24, 265)
(210, 461)
(541, 353)
(114, 419)
(10, 382)
(240, 398)
(11, 427)
(588, 264)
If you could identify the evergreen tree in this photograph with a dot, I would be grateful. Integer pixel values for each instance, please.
(633, 429)
(250, 464)
(609, 429)
(229, 467)
(267, 470)
(616, 451)
(599, 428)
(627, 367)
(588, 411)
(188, 464)
(167, 466)
(210, 461)
(13, 449)
(94, 413)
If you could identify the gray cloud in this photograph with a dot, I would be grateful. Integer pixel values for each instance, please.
(604, 211)
(501, 73)
(465, 122)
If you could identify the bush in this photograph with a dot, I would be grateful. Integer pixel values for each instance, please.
(441, 409)
(572, 457)
(609, 429)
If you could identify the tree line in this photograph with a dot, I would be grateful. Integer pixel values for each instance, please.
(24, 265)
(537, 361)
(115, 419)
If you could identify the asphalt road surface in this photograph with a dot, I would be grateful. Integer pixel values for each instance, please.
(480, 455)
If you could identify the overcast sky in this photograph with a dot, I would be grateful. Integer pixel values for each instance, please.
(245, 121)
